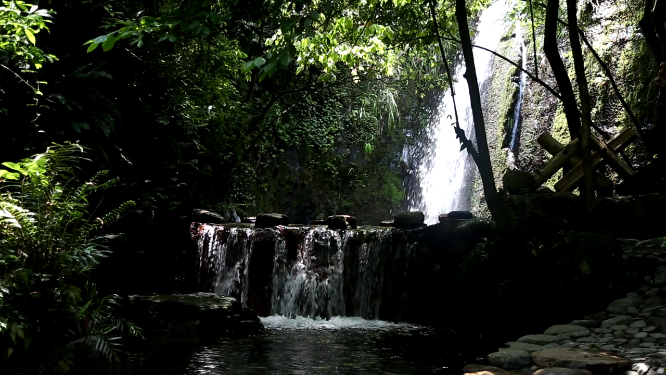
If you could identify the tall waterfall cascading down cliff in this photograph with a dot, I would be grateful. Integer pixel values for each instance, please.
(445, 177)
(310, 271)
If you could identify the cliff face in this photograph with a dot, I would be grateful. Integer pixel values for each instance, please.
(612, 29)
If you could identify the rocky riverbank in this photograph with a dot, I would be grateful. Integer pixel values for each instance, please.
(629, 337)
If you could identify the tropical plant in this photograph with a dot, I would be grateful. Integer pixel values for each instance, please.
(49, 242)
(19, 23)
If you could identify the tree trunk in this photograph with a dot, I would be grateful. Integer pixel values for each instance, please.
(579, 66)
(495, 204)
(559, 71)
(647, 26)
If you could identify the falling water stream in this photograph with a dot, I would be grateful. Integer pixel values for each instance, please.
(445, 177)
(515, 131)
(327, 297)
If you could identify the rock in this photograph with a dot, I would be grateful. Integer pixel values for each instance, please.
(561, 371)
(634, 341)
(620, 341)
(485, 370)
(563, 337)
(660, 275)
(617, 320)
(638, 324)
(605, 340)
(587, 340)
(341, 222)
(641, 335)
(442, 218)
(271, 220)
(596, 362)
(587, 323)
(539, 339)
(608, 347)
(388, 223)
(564, 328)
(579, 334)
(510, 359)
(459, 215)
(408, 220)
(621, 306)
(658, 335)
(602, 330)
(248, 219)
(198, 314)
(618, 327)
(635, 297)
(524, 346)
(518, 182)
(206, 216)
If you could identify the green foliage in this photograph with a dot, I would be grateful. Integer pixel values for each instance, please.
(20, 22)
(48, 246)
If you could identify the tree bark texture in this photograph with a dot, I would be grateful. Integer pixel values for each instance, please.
(559, 71)
(579, 66)
(493, 200)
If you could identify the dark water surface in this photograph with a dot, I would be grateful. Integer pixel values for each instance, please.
(305, 346)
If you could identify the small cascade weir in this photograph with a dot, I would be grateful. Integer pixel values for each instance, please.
(445, 178)
(311, 271)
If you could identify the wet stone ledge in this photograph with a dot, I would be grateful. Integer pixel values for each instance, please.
(192, 315)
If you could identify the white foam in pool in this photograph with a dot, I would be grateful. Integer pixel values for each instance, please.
(336, 322)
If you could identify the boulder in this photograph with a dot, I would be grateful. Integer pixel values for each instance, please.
(485, 370)
(524, 346)
(336, 222)
(564, 328)
(596, 362)
(620, 319)
(539, 339)
(341, 222)
(206, 216)
(561, 371)
(409, 220)
(660, 275)
(518, 182)
(190, 315)
(460, 215)
(622, 305)
(442, 218)
(510, 359)
(587, 323)
(271, 220)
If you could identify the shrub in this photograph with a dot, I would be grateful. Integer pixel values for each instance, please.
(48, 244)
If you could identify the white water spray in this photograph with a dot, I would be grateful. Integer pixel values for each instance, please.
(443, 177)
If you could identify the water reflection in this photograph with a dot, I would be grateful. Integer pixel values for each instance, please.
(306, 346)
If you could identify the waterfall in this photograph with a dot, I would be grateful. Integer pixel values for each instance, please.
(515, 130)
(307, 271)
(444, 178)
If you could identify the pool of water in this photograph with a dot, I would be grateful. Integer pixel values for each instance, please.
(307, 346)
